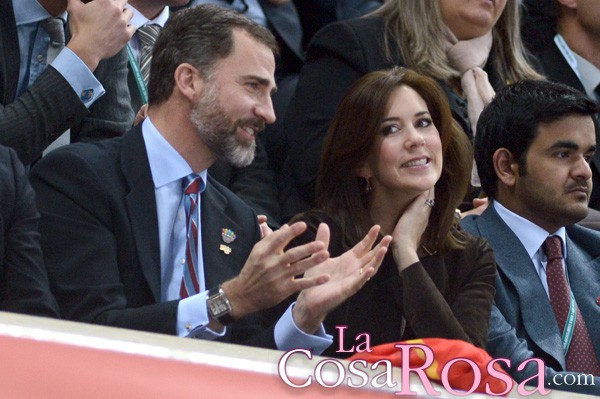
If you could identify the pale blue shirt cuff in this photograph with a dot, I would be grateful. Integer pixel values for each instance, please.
(192, 318)
(288, 336)
(79, 76)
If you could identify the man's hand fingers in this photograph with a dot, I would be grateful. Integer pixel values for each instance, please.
(72, 5)
(309, 282)
(300, 267)
(121, 3)
(265, 230)
(279, 239)
(296, 254)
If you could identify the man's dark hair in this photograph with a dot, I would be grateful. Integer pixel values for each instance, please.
(512, 119)
(200, 36)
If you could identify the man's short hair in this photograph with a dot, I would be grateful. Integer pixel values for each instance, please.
(200, 36)
(512, 119)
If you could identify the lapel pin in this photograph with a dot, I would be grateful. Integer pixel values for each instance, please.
(225, 249)
(228, 235)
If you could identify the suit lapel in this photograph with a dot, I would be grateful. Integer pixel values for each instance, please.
(9, 53)
(514, 262)
(217, 263)
(141, 205)
(558, 69)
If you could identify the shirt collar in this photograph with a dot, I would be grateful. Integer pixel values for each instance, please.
(166, 164)
(30, 11)
(590, 75)
(138, 20)
(530, 234)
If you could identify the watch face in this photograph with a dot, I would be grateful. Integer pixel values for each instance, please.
(218, 305)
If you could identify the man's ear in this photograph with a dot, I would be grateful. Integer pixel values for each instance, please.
(505, 166)
(188, 81)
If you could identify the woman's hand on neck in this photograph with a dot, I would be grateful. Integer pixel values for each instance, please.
(406, 222)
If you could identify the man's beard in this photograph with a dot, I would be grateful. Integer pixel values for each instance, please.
(219, 133)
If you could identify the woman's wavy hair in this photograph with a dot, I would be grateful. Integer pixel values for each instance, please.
(416, 28)
(350, 139)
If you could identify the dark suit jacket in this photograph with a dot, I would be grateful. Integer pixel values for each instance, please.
(50, 106)
(100, 237)
(557, 69)
(523, 324)
(338, 56)
(447, 296)
(24, 284)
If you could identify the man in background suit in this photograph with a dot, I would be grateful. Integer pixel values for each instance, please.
(533, 147)
(121, 241)
(24, 284)
(38, 103)
(565, 37)
(255, 183)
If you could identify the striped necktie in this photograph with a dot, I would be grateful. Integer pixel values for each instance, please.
(580, 353)
(147, 35)
(55, 27)
(192, 186)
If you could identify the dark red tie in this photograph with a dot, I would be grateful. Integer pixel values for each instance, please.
(192, 185)
(581, 356)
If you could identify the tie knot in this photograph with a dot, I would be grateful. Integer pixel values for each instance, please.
(55, 27)
(148, 34)
(553, 248)
(192, 184)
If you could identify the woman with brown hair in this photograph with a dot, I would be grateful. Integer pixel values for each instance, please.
(471, 47)
(403, 163)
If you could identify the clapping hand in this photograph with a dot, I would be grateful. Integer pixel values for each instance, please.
(346, 273)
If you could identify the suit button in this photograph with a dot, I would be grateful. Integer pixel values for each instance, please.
(598, 301)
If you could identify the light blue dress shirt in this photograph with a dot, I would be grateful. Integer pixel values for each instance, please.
(33, 45)
(168, 169)
(532, 237)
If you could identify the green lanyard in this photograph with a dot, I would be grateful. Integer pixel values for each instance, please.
(139, 79)
(567, 334)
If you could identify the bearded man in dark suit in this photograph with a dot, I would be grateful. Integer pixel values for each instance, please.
(127, 242)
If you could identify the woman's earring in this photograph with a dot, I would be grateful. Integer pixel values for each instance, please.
(368, 187)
